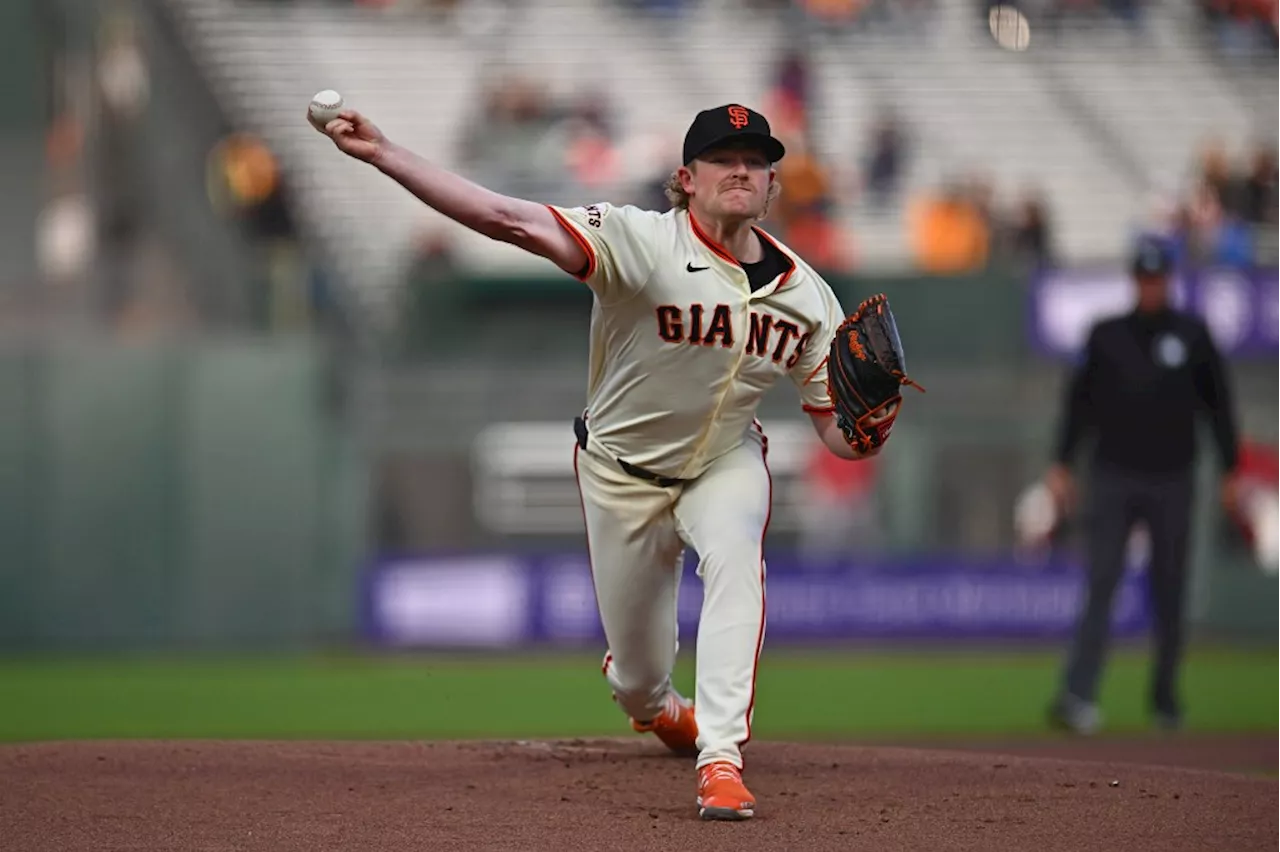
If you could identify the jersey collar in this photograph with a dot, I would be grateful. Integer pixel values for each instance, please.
(720, 252)
(785, 278)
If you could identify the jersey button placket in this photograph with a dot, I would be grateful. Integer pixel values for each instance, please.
(739, 346)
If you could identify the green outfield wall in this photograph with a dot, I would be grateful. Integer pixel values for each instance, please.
(223, 492)
(173, 494)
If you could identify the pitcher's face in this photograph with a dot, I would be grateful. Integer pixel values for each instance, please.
(729, 183)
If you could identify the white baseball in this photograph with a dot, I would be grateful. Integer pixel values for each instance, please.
(1009, 27)
(324, 107)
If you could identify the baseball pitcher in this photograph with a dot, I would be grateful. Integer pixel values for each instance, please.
(697, 312)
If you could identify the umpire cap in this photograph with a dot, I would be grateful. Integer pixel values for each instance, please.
(1152, 256)
(721, 124)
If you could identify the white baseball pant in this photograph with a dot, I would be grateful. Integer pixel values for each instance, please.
(636, 535)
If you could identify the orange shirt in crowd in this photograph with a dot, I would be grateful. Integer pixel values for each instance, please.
(821, 242)
(804, 184)
(947, 236)
(834, 10)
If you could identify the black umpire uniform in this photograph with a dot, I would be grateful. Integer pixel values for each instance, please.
(1144, 379)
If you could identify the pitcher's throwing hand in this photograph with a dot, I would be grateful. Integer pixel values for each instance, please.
(353, 134)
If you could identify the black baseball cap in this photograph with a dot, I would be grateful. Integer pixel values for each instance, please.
(1152, 256)
(721, 124)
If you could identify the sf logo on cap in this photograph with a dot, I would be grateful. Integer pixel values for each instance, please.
(738, 116)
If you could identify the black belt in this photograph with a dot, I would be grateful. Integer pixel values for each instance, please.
(580, 430)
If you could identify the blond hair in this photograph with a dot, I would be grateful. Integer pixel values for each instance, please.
(679, 198)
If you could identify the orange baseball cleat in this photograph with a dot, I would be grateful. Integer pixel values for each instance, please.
(722, 795)
(675, 726)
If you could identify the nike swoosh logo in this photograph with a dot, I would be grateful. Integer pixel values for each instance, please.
(689, 267)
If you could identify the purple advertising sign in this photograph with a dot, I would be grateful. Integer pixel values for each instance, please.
(509, 600)
(1238, 306)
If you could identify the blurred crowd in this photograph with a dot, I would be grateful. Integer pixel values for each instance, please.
(204, 237)
(563, 150)
(960, 228)
(526, 140)
(1228, 215)
(524, 137)
(1241, 28)
(842, 15)
(1054, 17)
(1236, 29)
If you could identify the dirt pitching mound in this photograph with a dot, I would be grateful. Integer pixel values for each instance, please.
(604, 795)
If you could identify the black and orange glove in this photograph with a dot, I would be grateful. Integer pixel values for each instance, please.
(866, 371)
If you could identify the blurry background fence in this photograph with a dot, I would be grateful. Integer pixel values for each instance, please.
(232, 492)
(186, 495)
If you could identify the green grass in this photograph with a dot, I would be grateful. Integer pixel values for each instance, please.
(845, 694)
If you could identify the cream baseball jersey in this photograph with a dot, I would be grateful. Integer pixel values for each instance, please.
(681, 349)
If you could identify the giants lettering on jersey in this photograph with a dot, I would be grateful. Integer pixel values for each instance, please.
(767, 336)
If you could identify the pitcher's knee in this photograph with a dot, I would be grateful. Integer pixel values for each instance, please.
(737, 565)
(640, 698)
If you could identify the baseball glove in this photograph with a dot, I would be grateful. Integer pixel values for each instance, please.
(866, 371)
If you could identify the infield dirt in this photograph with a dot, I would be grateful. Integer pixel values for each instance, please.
(628, 794)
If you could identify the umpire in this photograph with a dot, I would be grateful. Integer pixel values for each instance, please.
(1144, 378)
